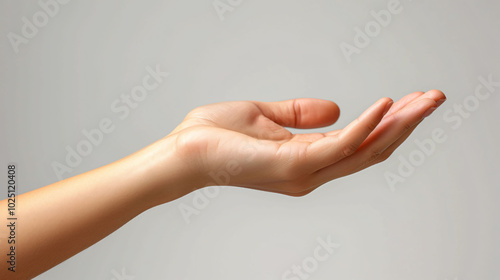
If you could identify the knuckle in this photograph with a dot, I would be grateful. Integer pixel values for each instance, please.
(407, 126)
(401, 122)
(384, 156)
(349, 149)
(296, 112)
(374, 156)
(371, 125)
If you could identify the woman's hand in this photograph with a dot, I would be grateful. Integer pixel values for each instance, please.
(244, 143)
(232, 143)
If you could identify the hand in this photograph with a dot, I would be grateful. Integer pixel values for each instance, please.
(232, 143)
(245, 143)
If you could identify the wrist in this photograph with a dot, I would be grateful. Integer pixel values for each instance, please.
(165, 172)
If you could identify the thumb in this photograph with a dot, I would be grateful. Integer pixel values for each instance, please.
(301, 112)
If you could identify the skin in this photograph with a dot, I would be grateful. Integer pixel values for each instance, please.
(245, 140)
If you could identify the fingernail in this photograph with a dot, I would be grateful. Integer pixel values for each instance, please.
(428, 112)
(440, 101)
(387, 107)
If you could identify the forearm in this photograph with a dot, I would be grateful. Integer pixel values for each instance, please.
(62, 219)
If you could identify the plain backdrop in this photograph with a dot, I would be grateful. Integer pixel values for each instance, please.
(441, 221)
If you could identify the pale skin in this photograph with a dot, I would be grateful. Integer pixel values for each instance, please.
(246, 139)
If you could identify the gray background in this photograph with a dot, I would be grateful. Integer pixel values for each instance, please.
(440, 223)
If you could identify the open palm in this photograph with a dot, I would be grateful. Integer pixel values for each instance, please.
(245, 143)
